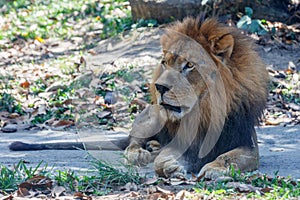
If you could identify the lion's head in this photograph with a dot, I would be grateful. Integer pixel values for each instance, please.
(211, 65)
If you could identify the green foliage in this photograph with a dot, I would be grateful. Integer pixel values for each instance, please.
(99, 180)
(277, 187)
(11, 178)
(109, 175)
(102, 178)
(67, 179)
(8, 103)
(251, 25)
(44, 19)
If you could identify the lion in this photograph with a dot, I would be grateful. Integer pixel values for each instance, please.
(208, 94)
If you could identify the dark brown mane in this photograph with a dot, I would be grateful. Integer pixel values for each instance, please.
(240, 75)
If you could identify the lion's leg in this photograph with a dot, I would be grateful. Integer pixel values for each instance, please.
(142, 149)
(169, 164)
(243, 158)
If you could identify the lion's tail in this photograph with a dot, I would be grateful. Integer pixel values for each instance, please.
(116, 144)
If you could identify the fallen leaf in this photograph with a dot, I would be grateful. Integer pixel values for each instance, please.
(10, 197)
(92, 52)
(241, 187)
(163, 190)
(64, 123)
(79, 195)
(41, 40)
(25, 84)
(273, 122)
(39, 182)
(23, 192)
(294, 106)
(13, 115)
(276, 149)
(103, 114)
(134, 194)
(266, 190)
(151, 181)
(58, 191)
(182, 194)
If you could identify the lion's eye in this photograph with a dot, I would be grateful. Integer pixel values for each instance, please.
(163, 62)
(188, 66)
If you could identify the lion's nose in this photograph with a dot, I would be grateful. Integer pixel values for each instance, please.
(162, 89)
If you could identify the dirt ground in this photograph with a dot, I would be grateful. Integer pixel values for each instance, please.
(279, 145)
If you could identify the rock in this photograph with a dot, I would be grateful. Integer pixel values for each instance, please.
(10, 128)
(294, 106)
(55, 86)
(110, 98)
(83, 80)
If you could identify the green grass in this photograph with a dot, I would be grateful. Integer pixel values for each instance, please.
(99, 180)
(275, 187)
(61, 18)
(11, 178)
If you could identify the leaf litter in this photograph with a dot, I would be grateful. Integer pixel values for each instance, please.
(44, 85)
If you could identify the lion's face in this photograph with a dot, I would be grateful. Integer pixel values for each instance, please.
(179, 85)
(187, 74)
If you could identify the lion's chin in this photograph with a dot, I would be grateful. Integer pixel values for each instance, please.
(172, 108)
(175, 113)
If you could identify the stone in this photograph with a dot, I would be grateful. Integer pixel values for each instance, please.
(10, 128)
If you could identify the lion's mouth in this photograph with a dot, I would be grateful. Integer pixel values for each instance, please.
(170, 107)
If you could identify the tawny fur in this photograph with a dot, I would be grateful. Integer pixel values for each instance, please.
(240, 72)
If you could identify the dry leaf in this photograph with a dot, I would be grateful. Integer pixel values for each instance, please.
(13, 115)
(103, 114)
(151, 181)
(58, 191)
(41, 40)
(79, 195)
(241, 187)
(266, 190)
(25, 84)
(92, 52)
(23, 192)
(64, 123)
(10, 197)
(163, 190)
(182, 194)
(273, 122)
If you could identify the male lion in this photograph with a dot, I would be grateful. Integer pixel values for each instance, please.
(208, 93)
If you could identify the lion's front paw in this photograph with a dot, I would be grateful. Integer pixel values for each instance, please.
(153, 146)
(137, 156)
(169, 167)
(213, 170)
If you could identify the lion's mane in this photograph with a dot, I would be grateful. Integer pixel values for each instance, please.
(244, 78)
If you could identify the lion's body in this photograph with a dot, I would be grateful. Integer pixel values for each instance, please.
(208, 93)
(217, 90)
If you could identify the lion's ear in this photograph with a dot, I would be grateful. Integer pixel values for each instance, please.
(222, 46)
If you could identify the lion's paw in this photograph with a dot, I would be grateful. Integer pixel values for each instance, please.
(213, 170)
(153, 146)
(169, 168)
(137, 156)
